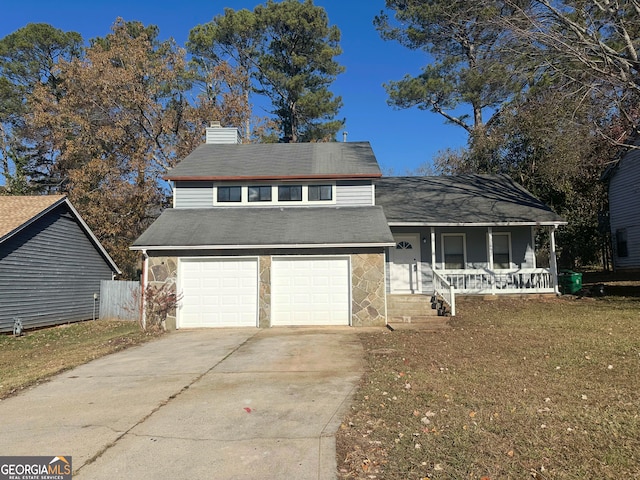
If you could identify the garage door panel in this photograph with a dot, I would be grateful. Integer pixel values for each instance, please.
(310, 291)
(218, 292)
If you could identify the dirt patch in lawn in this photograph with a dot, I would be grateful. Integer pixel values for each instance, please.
(39, 354)
(515, 389)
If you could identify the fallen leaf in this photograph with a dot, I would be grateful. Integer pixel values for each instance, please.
(472, 414)
(510, 453)
(247, 409)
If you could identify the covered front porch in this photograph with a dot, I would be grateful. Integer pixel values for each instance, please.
(471, 260)
(469, 234)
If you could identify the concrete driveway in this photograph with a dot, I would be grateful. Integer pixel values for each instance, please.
(223, 404)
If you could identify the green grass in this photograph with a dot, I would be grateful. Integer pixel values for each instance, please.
(515, 389)
(39, 354)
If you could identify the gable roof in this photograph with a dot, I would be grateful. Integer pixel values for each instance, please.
(461, 200)
(18, 212)
(275, 161)
(266, 227)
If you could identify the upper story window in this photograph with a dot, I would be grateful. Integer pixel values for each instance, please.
(230, 194)
(290, 193)
(269, 195)
(320, 192)
(259, 193)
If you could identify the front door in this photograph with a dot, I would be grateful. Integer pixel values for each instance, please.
(404, 269)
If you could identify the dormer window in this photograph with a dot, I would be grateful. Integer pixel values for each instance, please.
(320, 192)
(229, 194)
(260, 193)
(290, 193)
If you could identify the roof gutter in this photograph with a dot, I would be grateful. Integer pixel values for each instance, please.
(254, 178)
(261, 247)
(476, 224)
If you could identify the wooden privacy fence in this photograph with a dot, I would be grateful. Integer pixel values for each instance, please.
(120, 300)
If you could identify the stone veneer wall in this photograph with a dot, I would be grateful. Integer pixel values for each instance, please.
(164, 270)
(368, 290)
(264, 291)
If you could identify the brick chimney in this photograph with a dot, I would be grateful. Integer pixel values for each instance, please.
(215, 133)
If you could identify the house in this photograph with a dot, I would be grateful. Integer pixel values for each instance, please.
(623, 178)
(51, 264)
(271, 234)
(311, 234)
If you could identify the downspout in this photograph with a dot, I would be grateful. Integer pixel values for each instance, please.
(145, 262)
(552, 258)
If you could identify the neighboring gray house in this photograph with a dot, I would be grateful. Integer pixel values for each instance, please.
(310, 234)
(50, 263)
(624, 209)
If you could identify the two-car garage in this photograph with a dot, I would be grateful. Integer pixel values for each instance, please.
(225, 292)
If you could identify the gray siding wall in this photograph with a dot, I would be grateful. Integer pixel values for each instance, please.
(49, 273)
(354, 193)
(624, 209)
(193, 195)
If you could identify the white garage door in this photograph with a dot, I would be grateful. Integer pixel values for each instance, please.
(218, 292)
(310, 291)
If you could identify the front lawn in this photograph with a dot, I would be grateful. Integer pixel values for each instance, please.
(39, 354)
(515, 389)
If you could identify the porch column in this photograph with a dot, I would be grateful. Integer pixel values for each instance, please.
(490, 240)
(433, 248)
(552, 258)
(490, 259)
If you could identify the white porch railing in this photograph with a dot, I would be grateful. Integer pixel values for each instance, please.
(445, 291)
(483, 281)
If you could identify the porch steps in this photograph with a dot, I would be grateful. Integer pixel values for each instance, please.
(413, 311)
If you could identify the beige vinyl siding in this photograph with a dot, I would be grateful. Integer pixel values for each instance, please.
(354, 193)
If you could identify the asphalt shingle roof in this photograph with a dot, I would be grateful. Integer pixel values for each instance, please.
(15, 211)
(278, 160)
(238, 227)
(461, 200)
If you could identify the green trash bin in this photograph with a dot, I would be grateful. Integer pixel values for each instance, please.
(569, 282)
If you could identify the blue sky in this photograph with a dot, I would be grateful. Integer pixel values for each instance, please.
(402, 140)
